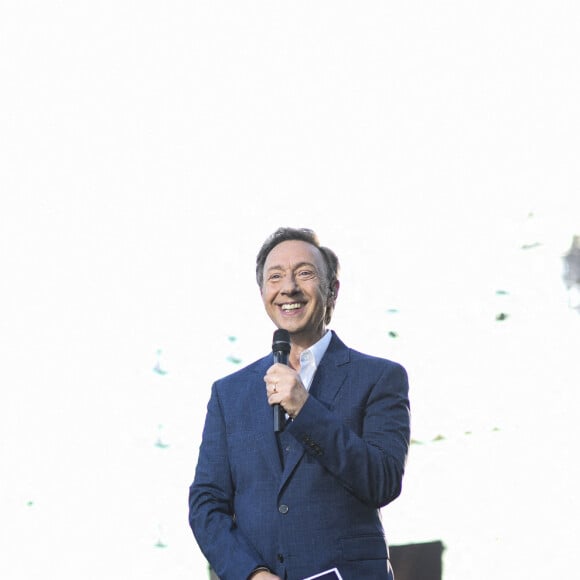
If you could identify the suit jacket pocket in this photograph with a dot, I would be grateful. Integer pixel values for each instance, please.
(364, 548)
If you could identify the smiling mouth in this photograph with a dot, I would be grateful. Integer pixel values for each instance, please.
(292, 306)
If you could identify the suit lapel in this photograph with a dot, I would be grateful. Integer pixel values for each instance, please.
(326, 383)
(264, 419)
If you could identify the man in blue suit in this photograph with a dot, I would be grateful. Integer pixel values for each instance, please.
(289, 505)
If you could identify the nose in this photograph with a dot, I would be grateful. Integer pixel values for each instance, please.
(289, 285)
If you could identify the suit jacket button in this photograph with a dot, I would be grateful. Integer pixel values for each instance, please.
(283, 509)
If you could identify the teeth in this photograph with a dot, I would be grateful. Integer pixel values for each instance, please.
(291, 306)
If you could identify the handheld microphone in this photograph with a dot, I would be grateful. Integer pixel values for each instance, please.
(280, 350)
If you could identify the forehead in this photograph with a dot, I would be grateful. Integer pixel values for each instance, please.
(292, 252)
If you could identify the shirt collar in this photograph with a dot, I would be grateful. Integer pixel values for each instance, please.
(318, 349)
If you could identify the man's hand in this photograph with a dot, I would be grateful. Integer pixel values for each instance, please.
(264, 575)
(283, 386)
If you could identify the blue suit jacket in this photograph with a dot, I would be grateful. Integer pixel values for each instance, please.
(344, 455)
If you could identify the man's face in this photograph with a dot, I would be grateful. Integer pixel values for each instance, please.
(295, 290)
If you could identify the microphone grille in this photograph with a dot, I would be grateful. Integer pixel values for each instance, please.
(281, 340)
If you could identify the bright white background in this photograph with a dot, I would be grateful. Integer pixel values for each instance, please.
(148, 148)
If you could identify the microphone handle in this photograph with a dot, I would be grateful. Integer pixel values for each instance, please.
(279, 418)
(279, 413)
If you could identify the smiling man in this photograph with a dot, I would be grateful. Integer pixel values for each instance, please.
(289, 505)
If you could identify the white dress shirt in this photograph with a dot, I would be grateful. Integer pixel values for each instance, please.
(311, 357)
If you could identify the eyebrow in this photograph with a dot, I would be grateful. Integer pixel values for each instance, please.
(300, 265)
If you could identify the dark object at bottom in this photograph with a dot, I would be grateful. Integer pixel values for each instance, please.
(417, 561)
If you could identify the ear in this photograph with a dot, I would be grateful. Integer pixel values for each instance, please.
(334, 291)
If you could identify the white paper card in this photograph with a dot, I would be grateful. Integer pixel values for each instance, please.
(333, 574)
